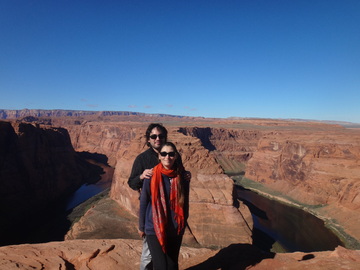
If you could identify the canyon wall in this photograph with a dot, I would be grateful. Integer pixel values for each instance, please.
(38, 166)
(323, 167)
(318, 169)
(314, 164)
(231, 147)
(101, 137)
(214, 221)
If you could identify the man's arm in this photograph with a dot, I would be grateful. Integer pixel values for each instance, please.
(144, 201)
(134, 180)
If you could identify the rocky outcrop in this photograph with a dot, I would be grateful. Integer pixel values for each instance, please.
(125, 254)
(105, 219)
(38, 167)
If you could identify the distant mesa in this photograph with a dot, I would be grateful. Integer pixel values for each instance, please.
(25, 114)
(16, 114)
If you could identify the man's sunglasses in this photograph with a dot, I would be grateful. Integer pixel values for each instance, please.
(154, 136)
(164, 154)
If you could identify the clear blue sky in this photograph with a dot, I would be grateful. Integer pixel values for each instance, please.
(269, 58)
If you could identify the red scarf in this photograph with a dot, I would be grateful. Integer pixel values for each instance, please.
(158, 203)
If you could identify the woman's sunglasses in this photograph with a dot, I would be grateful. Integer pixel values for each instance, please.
(164, 154)
(154, 136)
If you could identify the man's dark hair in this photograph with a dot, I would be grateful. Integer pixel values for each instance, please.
(159, 127)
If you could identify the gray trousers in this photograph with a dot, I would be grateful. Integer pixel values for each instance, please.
(145, 256)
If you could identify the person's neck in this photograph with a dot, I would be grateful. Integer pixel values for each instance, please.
(156, 151)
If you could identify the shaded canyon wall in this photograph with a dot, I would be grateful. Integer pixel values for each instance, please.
(38, 166)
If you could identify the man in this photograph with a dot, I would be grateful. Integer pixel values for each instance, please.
(156, 136)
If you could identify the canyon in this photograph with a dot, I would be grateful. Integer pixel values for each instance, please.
(311, 165)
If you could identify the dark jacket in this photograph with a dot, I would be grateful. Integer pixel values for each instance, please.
(145, 217)
(146, 160)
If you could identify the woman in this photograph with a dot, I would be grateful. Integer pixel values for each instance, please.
(164, 208)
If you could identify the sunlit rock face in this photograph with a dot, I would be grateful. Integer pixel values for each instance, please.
(314, 168)
(38, 166)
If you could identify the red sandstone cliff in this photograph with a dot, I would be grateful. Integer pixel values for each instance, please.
(313, 168)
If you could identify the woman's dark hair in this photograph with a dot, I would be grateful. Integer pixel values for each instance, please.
(159, 127)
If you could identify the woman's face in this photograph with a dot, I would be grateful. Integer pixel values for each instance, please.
(167, 157)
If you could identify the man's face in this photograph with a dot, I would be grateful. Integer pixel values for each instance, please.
(157, 139)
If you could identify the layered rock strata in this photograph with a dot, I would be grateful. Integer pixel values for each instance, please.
(320, 170)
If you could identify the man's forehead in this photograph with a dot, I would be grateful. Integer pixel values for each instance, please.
(155, 130)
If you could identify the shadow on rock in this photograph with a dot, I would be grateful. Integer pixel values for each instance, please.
(101, 158)
(235, 256)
